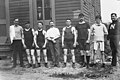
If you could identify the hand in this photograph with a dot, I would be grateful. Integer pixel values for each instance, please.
(63, 45)
(24, 46)
(44, 46)
(77, 43)
(88, 41)
(74, 45)
(37, 46)
(108, 42)
(53, 41)
(33, 44)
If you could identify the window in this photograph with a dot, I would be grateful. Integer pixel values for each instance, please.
(47, 10)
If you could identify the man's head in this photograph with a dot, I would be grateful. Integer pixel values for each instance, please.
(98, 19)
(16, 22)
(40, 25)
(27, 25)
(81, 17)
(113, 16)
(68, 22)
(51, 23)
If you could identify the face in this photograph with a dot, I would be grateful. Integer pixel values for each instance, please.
(113, 17)
(16, 23)
(27, 26)
(52, 24)
(40, 26)
(81, 18)
(98, 21)
(68, 22)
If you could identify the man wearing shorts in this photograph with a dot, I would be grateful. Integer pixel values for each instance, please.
(99, 30)
(69, 41)
(83, 37)
(28, 44)
(40, 43)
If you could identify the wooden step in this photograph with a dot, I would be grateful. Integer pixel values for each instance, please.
(5, 49)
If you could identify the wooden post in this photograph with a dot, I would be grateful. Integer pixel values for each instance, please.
(43, 12)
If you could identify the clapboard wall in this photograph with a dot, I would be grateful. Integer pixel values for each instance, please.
(19, 9)
(64, 9)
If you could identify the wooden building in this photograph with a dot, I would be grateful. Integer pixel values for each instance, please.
(45, 10)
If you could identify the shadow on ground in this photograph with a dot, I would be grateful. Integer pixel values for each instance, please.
(92, 73)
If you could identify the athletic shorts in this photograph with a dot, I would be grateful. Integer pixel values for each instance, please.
(68, 44)
(99, 45)
(82, 45)
(40, 46)
(29, 45)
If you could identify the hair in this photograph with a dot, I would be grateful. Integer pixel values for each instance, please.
(40, 22)
(68, 19)
(51, 21)
(98, 17)
(81, 15)
(27, 22)
(114, 14)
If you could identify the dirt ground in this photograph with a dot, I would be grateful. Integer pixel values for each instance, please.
(68, 73)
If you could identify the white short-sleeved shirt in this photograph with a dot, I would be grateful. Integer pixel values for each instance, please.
(53, 32)
(99, 31)
(18, 32)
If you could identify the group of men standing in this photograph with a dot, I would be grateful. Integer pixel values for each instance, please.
(72, 37)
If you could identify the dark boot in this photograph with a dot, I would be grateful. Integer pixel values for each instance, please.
(29, 65)
(73, 65)
(46, 65)
(33, 66)
(88, 60)
(83, 62)
(64, 65)
(39, 65)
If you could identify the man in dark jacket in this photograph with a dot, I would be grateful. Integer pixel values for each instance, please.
(114, 37)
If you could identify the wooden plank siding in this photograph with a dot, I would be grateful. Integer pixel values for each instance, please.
(64, 9)
(19, 9)
(85, 10)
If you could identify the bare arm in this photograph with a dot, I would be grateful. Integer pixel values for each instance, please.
(63, 36)
(75, 35)
(35, 36)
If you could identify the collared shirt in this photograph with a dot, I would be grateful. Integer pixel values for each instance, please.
(53, 32)
(99, 30)
(16, 33)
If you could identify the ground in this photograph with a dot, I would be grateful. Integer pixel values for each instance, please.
(68, 73)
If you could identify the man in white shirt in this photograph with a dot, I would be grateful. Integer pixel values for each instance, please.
(99, 30)
(53, 35)
(16, 35)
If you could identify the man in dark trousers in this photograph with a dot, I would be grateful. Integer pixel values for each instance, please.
(114, 37)
(16, 37)
(53, 35)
